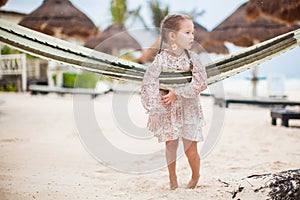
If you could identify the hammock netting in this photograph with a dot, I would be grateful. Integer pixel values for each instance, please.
(51, 48)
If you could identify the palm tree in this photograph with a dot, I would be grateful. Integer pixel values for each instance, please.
(118, 11)
(158, 13)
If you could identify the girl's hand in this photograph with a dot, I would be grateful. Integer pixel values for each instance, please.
(153, 122)
(169, 98)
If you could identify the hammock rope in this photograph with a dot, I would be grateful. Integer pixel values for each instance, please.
(51, 48)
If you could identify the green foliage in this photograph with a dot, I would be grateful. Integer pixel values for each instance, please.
(7, 50)
(9, 87)
(54, 78)
(136, 15)
(158, 13)
(119, 11)
(84, 80)
(69, 80)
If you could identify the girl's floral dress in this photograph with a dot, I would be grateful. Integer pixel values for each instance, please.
(185, 118)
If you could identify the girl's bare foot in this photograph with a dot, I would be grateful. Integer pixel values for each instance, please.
(193, 182)
(173, 182)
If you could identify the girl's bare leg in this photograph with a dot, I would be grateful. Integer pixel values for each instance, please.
(191, 152)
(171, 152)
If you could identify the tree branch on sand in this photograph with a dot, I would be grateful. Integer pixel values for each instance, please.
(281, 185)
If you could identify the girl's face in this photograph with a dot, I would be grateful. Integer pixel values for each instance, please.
(184, 38)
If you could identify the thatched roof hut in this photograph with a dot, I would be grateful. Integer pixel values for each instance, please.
(3, 2)
(59, 18)
(202, 40)
(280, 10)
(213, 46)
(242, 32)
(112, 40)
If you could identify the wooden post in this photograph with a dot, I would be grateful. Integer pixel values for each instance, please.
(24, 72)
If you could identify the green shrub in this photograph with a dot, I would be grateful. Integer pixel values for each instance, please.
(84, 80)
(9, 87)
(69, 80)
(8, 50)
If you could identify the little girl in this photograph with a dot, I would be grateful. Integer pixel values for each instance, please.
(175, 113)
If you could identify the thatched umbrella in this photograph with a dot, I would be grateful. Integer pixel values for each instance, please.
(59, 18)
(210, 45)
(201, 44)
(112, 40)
(287, 11)
(242, 32)
(115, 37)
(3, 2)
(238, 30)
(214, 46)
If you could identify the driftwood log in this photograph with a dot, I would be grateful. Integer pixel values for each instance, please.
(282, 185)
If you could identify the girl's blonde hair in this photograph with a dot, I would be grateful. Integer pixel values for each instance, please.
(171, 23)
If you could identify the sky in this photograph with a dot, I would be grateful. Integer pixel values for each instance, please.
(215, 12)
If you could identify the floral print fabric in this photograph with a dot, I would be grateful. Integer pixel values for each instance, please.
(185, 118)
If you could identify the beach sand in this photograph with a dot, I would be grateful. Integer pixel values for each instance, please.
(42, 156)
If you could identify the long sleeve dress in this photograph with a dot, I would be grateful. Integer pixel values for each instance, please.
(185, 118)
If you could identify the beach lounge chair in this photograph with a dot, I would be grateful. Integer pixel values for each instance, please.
(255, 101)
(284, 115)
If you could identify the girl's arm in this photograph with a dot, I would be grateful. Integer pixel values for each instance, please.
(198, 83)
(150, 87)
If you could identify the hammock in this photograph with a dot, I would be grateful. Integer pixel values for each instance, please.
(48, 47)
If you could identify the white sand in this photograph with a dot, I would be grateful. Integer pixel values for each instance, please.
(42, 156)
